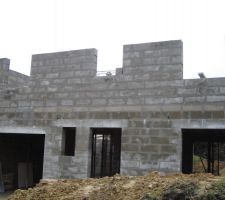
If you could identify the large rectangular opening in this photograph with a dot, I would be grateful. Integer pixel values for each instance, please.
(203, 151)
(106, 151)
(21, 160)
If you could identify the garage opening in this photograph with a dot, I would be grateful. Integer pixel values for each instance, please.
(106, 151)
(203, 151)
(21, 160)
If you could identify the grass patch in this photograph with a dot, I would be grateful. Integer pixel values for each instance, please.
(216, 192)
(181, 191)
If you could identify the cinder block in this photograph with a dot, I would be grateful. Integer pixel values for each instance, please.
(52, 75)
(215, 98)
(135, 101)
(159, 140)
(67, 102)
(24, 103)
(66, 74)
(150, 148)
(83, 101)
(99, 101)
(154, 100)
(139, 140)
(130, 164)
(130, 147)
(117, 101)
(175, 100)
(168, 149)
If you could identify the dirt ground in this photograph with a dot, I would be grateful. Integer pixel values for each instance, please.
(5, 195)
(149, 187)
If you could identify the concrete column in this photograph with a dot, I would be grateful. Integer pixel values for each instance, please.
(4, 70)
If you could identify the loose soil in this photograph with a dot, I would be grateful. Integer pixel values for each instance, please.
(148, 187)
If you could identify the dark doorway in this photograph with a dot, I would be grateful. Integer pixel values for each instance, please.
(21, 159)
(203, 151)
(106, 150)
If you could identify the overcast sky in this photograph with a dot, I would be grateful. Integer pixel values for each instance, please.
(40, 26)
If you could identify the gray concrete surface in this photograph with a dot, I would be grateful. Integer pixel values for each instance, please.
(148, 98)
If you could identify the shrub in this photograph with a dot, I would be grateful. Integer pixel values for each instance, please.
(180, 191)
(216, 192)
(150, 196)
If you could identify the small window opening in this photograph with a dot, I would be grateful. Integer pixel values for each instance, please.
(68, 141)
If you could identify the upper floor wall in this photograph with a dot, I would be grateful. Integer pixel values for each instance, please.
(69, 78)
(4, 70)
(10, 78)
(156, 61)
(69, 64)
(151, 79)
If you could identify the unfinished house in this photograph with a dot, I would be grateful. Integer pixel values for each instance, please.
(64, 121)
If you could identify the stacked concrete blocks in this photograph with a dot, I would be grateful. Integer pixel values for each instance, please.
(147, 98)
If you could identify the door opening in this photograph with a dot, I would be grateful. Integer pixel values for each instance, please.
(203, 151)
(106, 150)
(21, 160)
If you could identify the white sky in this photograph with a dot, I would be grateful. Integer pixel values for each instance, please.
(40, 26)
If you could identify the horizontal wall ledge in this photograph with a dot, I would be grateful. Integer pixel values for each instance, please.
(21, 130)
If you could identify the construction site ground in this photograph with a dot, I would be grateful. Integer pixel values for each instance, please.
(152, 186)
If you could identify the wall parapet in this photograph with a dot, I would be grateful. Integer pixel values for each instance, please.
(164, 60)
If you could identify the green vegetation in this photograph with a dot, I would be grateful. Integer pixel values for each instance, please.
(216, 192)
(150, 196)
(180, 191)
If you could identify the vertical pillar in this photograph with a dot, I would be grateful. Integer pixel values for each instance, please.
(4, 70)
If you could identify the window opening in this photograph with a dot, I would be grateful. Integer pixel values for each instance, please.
(68, 141)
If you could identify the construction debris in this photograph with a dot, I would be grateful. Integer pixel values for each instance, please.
(149, 187)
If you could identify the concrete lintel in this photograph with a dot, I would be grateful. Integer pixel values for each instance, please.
(92, 123)
(198, 124)
(21, 130)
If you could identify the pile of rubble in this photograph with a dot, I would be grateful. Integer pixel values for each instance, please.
(152, 186)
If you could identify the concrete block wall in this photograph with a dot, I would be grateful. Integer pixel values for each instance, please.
(71, 64)
(67, 80)
(10, 78)
(147, 98)
(17, 79)
(56, 164)
(56, 76)
(157, 61)
(150, 145)
(13, 87)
